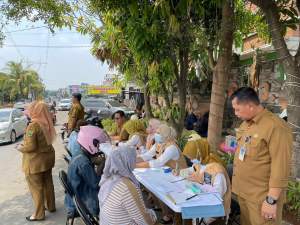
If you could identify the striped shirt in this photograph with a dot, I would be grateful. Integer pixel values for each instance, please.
(125, 207)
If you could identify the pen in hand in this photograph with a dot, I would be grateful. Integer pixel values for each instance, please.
(191, 197)
(175, 181)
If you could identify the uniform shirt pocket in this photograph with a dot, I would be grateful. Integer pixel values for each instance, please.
(253, 147)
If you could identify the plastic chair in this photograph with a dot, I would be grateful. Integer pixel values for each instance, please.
(84, 213)
(68, 189)
(68, 151)
(64, 182)
(66, 159)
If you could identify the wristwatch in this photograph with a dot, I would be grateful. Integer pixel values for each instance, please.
(270, 200)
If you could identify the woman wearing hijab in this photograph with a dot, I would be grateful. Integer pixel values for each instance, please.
(137, 134)
(165, 151)
(214, 174)
(151, 129)
(197, 148)
(120, 197)
(39, 158)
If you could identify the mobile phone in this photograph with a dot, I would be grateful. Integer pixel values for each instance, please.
(207, 178)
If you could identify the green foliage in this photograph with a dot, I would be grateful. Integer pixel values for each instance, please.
(248, 22)
(228, 158)
(293, 196)
(109, 125)
(52, 12)
(17, 83)
(182, 140)
(165, 113)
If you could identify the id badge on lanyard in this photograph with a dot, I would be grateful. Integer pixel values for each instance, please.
(243, 149)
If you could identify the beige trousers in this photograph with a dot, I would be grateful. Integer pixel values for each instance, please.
(42, 191)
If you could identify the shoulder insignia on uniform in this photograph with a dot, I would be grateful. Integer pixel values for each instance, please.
(29, 133)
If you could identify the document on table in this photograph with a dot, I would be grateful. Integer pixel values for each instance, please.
(202, 199)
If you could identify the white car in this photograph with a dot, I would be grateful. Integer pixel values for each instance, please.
(64, 104)
(13, 124)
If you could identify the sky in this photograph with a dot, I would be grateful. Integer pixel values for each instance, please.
(58, 67)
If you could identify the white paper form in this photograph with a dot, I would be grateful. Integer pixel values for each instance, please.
(161, 181)
(203, 199)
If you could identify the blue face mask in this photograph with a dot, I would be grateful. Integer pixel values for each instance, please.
(158, 138)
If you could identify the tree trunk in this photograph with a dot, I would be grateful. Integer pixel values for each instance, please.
(148, 109)
(292, 70)
(292, 84)
(220, 76)
(181, 87)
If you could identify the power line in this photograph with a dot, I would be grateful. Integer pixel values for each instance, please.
(54, 34)
(46, 46)
(47, 52)
(32, 28)
(14, 45)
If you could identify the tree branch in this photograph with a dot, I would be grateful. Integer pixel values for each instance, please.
(271, 12)
(165, 93)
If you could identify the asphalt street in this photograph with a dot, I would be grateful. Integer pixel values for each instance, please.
(15, 198)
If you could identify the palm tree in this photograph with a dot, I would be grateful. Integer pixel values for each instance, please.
(16, 79)
(3, 89)
(20, 82)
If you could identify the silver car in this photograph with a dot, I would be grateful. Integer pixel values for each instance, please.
(114, 106)
(64, 104)
(12, 124)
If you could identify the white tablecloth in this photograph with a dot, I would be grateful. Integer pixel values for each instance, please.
(172, 191)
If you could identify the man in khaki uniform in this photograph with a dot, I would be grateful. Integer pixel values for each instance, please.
(76, 112)
(119, 134)
(262, 160)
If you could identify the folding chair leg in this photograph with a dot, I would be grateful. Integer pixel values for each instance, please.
(70, 221)
(200, 222)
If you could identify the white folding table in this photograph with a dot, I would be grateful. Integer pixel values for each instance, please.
(162, 184)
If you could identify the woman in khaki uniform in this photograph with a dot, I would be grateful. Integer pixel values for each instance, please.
(38, 159)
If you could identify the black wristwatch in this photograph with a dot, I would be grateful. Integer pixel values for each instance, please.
(270, 200)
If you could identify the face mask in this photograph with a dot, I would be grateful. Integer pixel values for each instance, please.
(196, 161)
(158, 138)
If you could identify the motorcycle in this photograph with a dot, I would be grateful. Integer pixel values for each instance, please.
(53, 114)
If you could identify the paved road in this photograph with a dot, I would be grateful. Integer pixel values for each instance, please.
(15, 199)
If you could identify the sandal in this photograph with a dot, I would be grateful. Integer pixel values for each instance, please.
(30, 218)
(156, 208)
(163, 221)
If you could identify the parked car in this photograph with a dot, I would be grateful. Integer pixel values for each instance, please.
(114, 106)
(64, 104)
(20, 105)
(13, 124)
(96, 107)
